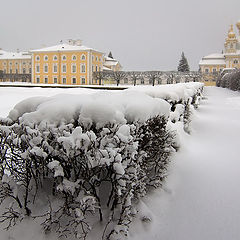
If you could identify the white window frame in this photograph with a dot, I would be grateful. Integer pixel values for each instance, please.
(55, 56)
(81, 66)
(53, 79)
(45, 77)
(55, 65)
(45, 58)
(82, 80)
(75, 80)
(37, 58)
(36, 79)
(64, 64)
(73, 65)
(83, 57)
(44, 68)
(64, 77)
(74, 56)
(37, 68)
(64, 56)
(206, 70)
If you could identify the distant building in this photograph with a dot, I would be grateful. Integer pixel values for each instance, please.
(111, 64)
(70, 63)
(15, 66)
(212, 64)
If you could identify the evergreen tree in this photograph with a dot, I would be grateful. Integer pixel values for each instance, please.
(110, 55)
(183, 64)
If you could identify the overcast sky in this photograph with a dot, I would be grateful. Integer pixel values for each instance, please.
(142, 34)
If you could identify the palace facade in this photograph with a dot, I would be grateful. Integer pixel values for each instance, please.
(68, 63)
(230, 58)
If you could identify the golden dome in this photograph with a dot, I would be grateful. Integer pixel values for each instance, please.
(231, 34)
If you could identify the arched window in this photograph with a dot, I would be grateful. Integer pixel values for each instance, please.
(83, 57)
(45, 58)
(64, 57)
(235, 61)
(74, 57)
(55, 58)
(37, 58)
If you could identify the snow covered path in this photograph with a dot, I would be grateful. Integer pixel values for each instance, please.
(201, 199)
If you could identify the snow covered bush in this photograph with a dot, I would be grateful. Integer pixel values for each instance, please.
(230, 80)
(68, 157)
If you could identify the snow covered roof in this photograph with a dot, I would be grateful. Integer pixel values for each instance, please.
(15, 55)
(213, 59)
(106, 68)
(64, 47)
(108, 63)
(214, 56)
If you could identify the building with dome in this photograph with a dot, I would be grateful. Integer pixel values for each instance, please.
(212, 64)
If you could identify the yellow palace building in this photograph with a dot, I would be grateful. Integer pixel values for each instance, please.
(230, 58)
(67, 63)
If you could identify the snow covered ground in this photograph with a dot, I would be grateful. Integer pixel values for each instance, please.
(201, 196)
(200, 199)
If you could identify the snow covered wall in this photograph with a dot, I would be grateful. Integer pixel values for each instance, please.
(68, 157)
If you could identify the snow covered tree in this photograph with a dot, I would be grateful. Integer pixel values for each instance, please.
(110, 55)
(183, 64)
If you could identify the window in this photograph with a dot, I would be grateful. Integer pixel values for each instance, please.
(96, 58)
(10, 70)
(45, 58)
(55, 68)
(10, 64)
(64, 57)
(16, 64)
(64, 80)
(46, 68)
(74, 57)
(142, 80)
(46, 80)
(5, 63)
(99, 69)
(83, 80)
(74, 81)
(214, 70)
(30, 70)
(24, 63)
(96, 68)
(206, 70)
(37, 58)
(93, 68)
(37, 79)
(24, 70)
(83, 57)
(55, 58)
(16, 71)
(100, 59)
(235, 61)
(83, 68)
(37, 68)
(220, 69)
(55, 80)
(64, 68)
(74, 68)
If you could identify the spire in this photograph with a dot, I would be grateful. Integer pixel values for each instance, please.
(231, 33)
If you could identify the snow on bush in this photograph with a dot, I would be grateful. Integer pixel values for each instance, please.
(81, 154)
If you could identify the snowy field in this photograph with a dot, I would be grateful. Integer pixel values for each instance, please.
(200, 199)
